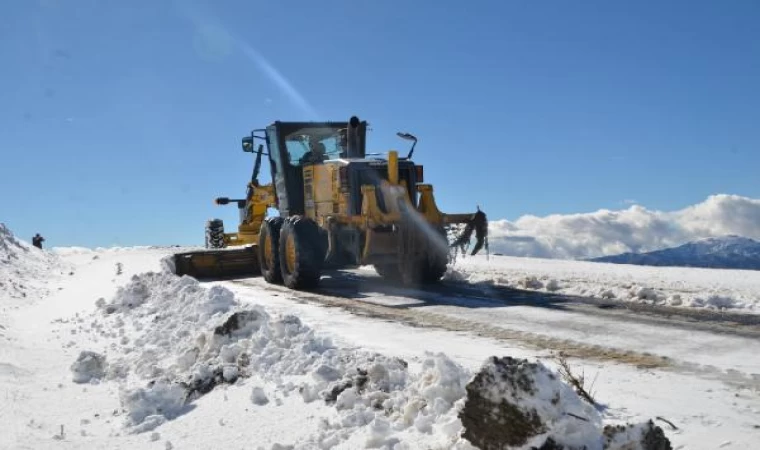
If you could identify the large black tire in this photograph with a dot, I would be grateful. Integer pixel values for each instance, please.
(215, 234)
(302, 253)
(269, 253)
(426, 262)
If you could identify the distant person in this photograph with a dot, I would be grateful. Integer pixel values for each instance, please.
(37, 241)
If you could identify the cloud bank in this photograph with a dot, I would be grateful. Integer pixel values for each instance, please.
(636, 229)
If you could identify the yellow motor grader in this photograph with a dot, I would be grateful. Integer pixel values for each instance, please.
(338, 207)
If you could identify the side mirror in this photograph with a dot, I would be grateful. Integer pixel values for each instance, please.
(247, 143)
(408, 137)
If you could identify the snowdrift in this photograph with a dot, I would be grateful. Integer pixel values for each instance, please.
(171, 341)
(717, 289)
(24, 269)
(25, 273)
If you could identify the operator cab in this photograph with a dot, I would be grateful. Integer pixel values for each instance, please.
(294, 146)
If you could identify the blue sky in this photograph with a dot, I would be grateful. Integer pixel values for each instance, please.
(121, 121)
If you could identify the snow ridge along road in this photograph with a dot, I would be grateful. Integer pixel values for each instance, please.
(680, 287)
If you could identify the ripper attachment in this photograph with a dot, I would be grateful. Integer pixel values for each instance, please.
(478, 223)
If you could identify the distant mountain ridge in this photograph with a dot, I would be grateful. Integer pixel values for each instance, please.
(726, 252)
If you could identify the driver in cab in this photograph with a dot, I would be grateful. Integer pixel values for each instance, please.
(316, 154)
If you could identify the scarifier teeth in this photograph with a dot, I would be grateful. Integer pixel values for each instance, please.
(478, 224)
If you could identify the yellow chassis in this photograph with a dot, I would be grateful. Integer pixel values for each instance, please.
(248, 230)
(395, 194)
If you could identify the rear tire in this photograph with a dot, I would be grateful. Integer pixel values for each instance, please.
(269, 244)
(302, 253)
(215, 234)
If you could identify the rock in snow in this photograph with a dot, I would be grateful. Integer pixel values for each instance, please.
(514, 403)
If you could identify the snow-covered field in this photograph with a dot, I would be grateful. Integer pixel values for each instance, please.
(737, 290)
(108, 351)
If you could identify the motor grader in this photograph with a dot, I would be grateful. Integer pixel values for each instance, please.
(338, 207)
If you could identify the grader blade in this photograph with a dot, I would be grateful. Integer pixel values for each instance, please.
(240, 261)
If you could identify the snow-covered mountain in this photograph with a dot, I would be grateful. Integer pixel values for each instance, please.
(726, 252)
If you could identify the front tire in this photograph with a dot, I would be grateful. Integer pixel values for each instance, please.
(269, 244)
(302, 253)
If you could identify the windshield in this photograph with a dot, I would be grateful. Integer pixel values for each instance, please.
(314, 144)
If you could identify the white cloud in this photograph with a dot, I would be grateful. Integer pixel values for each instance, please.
(605, 232)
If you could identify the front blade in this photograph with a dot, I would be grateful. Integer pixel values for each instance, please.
(233, 262)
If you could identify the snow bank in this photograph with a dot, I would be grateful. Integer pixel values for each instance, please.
(74, 250)
(193, 338)
(174, 340)
(25, 269)
(151, 406)
(168, 264)
(671, 286)
(69, 251)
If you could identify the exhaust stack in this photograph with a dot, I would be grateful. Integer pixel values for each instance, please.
(353, 139)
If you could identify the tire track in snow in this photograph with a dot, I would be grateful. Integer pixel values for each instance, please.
(416, 317)
(421, 318)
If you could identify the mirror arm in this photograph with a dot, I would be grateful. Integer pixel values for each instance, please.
(411, 151)
(408, 137)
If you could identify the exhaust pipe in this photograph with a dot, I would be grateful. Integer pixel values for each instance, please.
(352, 138)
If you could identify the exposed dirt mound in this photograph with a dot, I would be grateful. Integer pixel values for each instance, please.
(512, 403)
(644, 436)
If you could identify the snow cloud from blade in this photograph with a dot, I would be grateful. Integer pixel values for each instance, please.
(635, 229)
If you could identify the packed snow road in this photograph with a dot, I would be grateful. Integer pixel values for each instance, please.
(707, 343)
